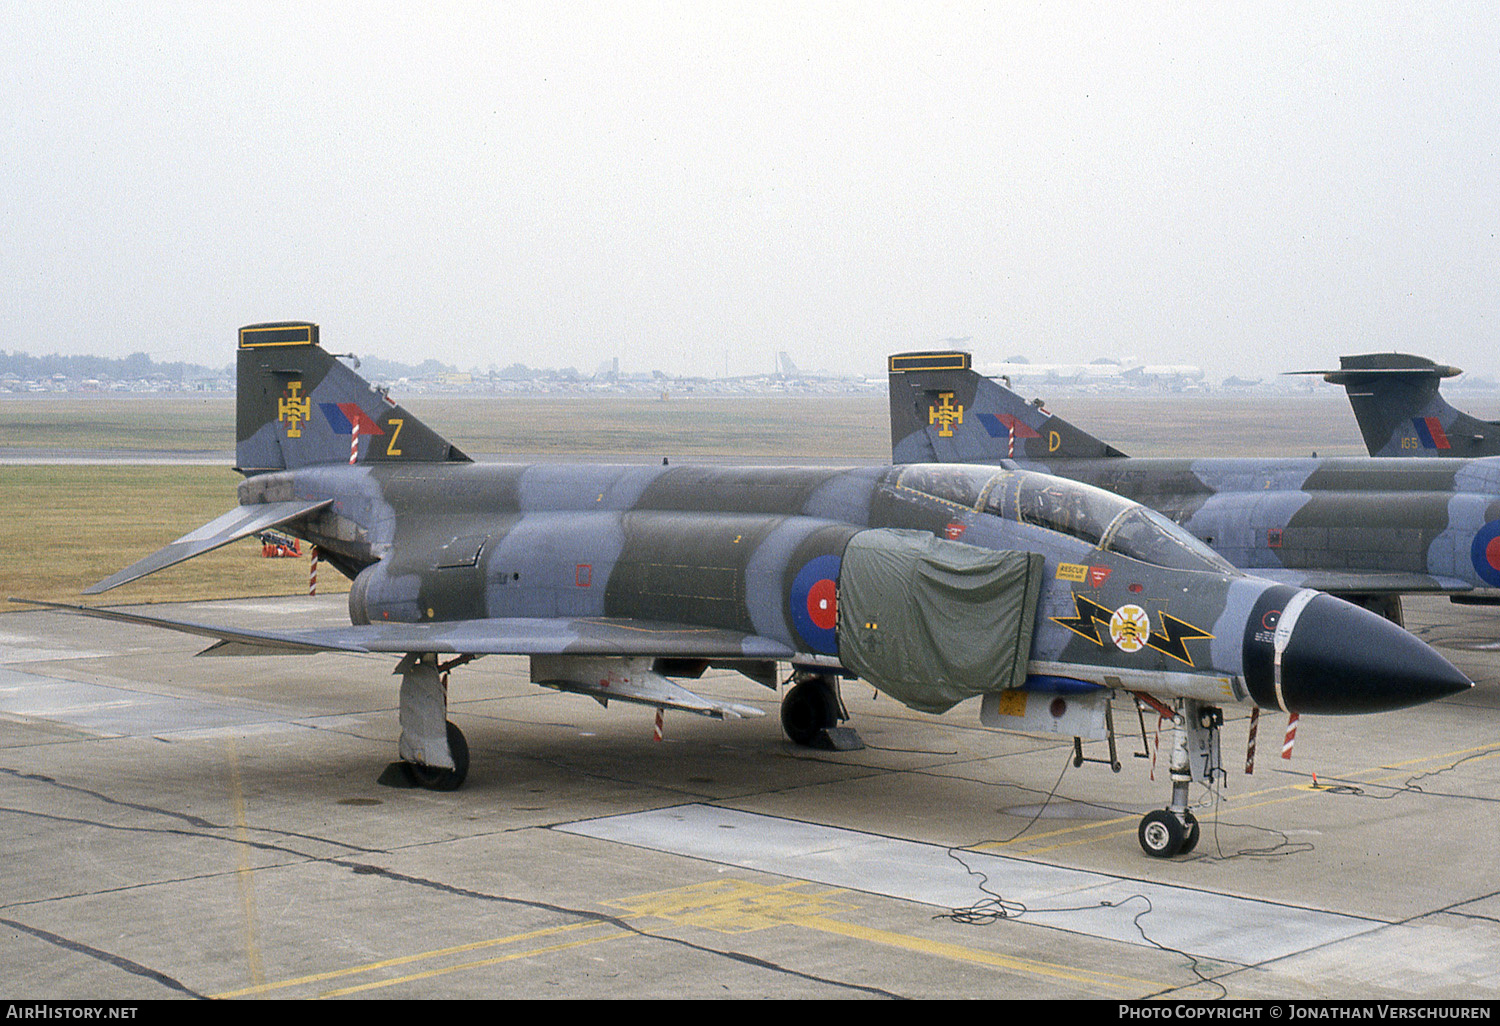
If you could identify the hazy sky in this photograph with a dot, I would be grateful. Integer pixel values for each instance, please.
(1251, 187)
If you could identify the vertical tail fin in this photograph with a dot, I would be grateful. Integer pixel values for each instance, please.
(1401, 412)
(943, 411)
(299, 406)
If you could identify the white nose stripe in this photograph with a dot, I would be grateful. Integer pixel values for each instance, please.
(1284, 627)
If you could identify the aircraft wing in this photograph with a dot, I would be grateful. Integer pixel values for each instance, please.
(238, 523)
(558, 636)
(579, 636)
(1352, 583)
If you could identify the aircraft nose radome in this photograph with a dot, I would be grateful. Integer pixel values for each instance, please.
(1344, 659)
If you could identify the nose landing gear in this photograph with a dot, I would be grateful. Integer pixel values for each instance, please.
(1174, 830)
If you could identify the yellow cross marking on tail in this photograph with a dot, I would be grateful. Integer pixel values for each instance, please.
(945, 414)
(294, 409)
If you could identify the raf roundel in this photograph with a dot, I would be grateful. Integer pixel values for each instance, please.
(814, 604)
(1485, 553)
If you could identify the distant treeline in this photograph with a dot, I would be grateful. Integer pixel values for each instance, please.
(374, 368)
(377, 369)
(140, 366)
(130, 368)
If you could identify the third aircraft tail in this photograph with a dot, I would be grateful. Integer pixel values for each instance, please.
(1401, 412)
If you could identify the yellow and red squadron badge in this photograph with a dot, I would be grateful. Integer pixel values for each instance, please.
(1130, 628)
(294, 409)
(945, 415)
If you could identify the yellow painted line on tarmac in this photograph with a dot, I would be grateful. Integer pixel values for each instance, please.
(461, 967)
(1494, 751)
(1492, 746)
(1287, 792)
(243, 874)
(1104, 983)
(1387, 771)
(1027, 839)
(724, 906)
(458, 949)
(729, 905)
(1046, 834)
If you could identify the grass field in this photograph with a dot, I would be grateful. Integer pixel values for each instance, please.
(174, 424)
(65, 527)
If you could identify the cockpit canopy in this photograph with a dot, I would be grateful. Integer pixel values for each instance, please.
(1093, 515)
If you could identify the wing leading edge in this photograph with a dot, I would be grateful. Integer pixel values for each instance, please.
(583, 636)
(584, 640)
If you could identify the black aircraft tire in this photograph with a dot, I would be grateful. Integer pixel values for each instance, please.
(1161, 834)
(809, 709)
(435, 779)
(1193, 833)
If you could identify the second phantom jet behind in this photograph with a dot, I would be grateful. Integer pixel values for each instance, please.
(1365, 529)
(1042, 598)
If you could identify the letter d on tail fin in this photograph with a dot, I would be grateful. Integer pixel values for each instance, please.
(298, 406)
(942, 411)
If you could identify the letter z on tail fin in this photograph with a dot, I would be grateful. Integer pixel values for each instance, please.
(1400, 411)
(298, 406)
(942, 411)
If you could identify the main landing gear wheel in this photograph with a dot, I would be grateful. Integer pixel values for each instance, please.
(1163, 835)
(810, 707)
(435, 779)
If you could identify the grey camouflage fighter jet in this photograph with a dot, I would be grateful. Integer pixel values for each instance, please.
(1401, 411)
(1044, 598)
(1364, 529)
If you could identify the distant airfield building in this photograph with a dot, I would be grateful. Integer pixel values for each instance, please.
(1129, 372)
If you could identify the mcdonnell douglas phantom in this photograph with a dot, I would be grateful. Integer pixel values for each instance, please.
(1366, 530)
(1401, 412)
(1042, 597)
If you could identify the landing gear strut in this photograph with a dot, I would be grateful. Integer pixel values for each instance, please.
(434, 753)
(811, 713)
(1195, 756)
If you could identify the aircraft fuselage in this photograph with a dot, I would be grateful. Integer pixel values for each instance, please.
(1434, 520)
(748, 549)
